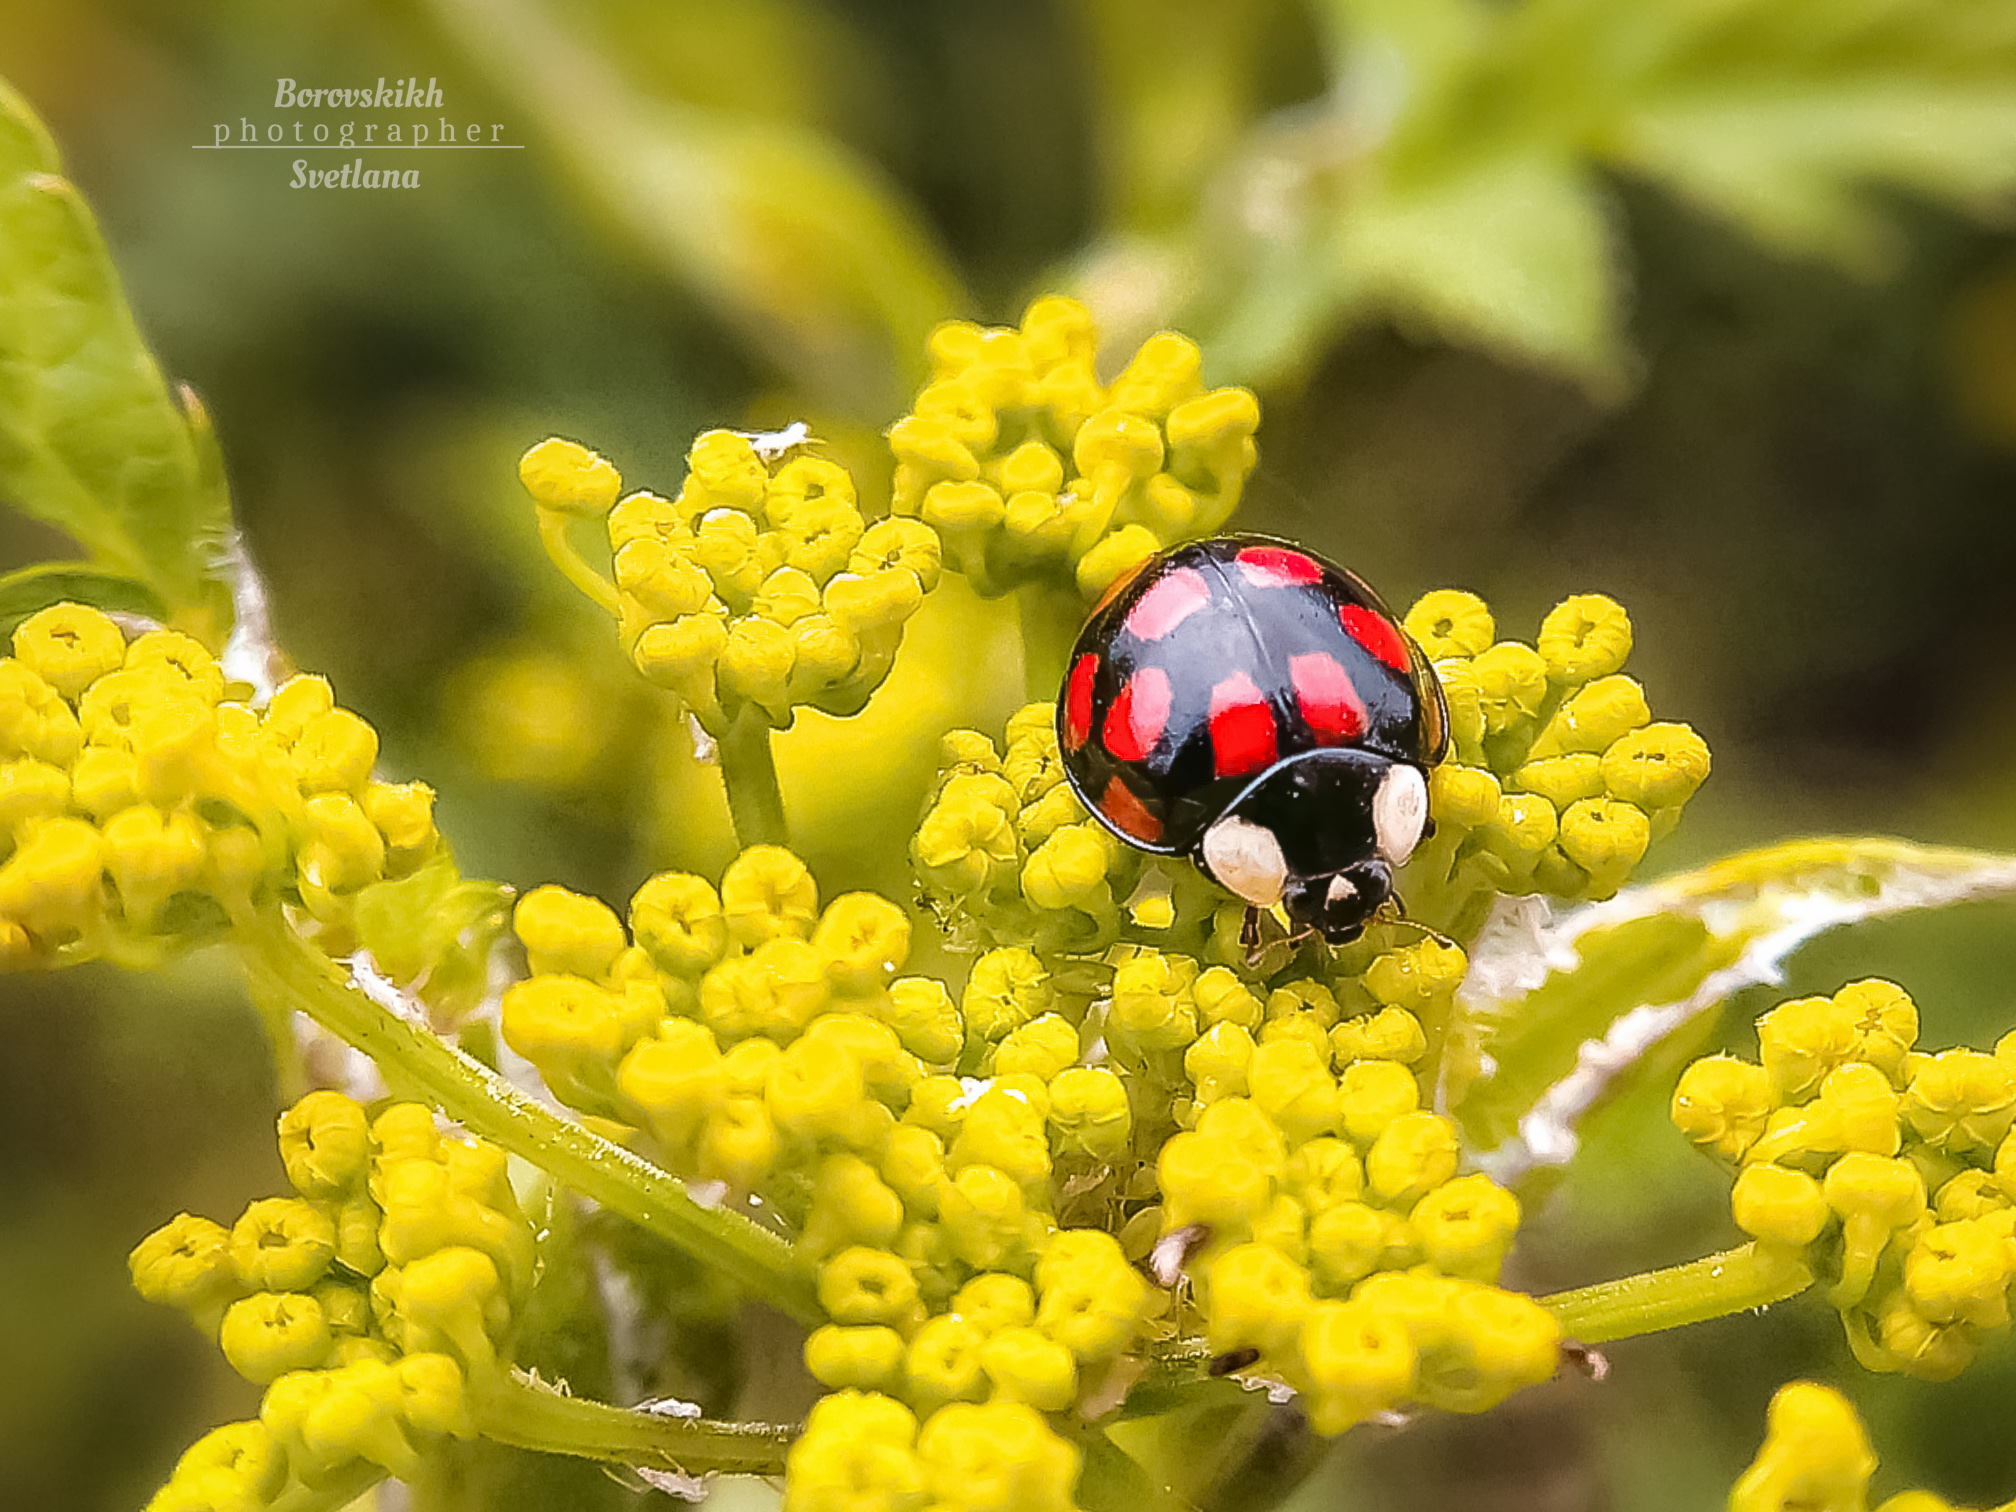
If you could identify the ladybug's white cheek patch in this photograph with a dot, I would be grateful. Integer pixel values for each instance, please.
(1247, 859)
(1400, 811)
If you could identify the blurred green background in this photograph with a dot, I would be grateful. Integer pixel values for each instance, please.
(1711, 308)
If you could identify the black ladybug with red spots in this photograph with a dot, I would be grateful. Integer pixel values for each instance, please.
(1245, 703)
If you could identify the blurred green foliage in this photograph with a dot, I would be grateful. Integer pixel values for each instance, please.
(1680, 300)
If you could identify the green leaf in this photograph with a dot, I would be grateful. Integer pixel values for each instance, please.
(30, 589)
(1513, 253)
(1451, 176)
(433, 932)
(1563, 1009)
(91, 440)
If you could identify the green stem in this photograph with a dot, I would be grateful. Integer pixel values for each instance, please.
(511, 1410)
(483, 1102)
(560, 551)
(1731, 1282)
(1050, 617)
(755, 802)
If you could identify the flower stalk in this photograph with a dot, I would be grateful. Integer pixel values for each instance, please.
(510, 1409)
(1713, 1287)
(749, 774)
(413, 1059)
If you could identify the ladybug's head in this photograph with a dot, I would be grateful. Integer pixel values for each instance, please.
(1320, 834)
(1340, 905)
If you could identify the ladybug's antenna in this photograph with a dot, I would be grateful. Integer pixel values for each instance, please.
(1391, 912)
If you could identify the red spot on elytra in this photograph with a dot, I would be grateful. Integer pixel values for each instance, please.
(1078, 701)
(1169, 601)
(1376, 634)
(1139, 715)
(1242, 728)
(1330, 705)
(1129, 814)
(1278, 567)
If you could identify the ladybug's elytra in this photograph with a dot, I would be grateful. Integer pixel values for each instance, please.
(1250, 705)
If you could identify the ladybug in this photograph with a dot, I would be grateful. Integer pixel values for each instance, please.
(1256, 708)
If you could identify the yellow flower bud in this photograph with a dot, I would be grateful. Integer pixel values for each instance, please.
(1721, 1104)
(858, 1358)
(1292, 1085)
(1656, 767)
(1511, 685)
(34, 719)
(270, 1333)
(1961, 1101)
(1357, 1362)
(50, 887)
(1584, 637)
(31, 790)
(739, 1143)
(1348, 1241)
(1595, 718)
(1216, 1062)
(1450, 622)
(566, 477)
(186, 1264)
(1466, 1225)
(1069, 869)
(1093, 1300)
(661, 581)
(568, 932)
(1464, 797)
(1221, 998)
(1815, 1454)
(944, 1362)
(677, 918)
(681, 655)
(1562, 780)
(985, 1217)
(1257, 1299)
(151, 856)
(1042, 1048)
(69, 646)
(1413, 1155)
(325, 1144)
(865, 940)
(1781, 1205)
(1113, 557)
(1606, 838)
(1372, 1094)
(674, 1082)
(980, 1456)
(768, 893)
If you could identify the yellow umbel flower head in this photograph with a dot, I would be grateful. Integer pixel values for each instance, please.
(760, 586)
(1031, 469)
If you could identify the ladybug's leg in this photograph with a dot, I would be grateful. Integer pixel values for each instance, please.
(1249, 933)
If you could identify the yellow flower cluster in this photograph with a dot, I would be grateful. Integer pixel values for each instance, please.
(862, 1452)
(1031, 469)
(754, 1038)
(145, 804)
(365, 1303)
(1336, 1239)
(1007, 852)
(1891, 1170)
(759, 587)
(1557, 778)
(1816, 1457)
